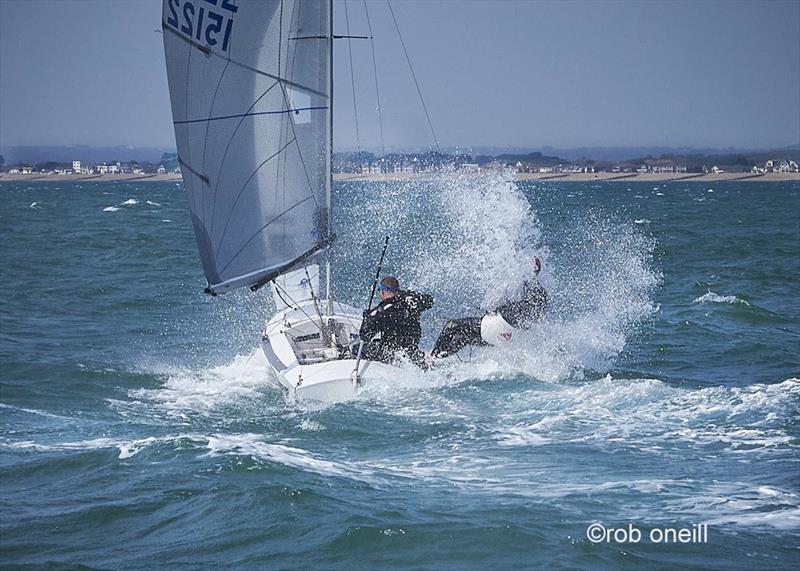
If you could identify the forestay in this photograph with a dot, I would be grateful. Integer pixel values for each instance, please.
(249, 85)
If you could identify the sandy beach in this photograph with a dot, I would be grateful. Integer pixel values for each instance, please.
(39, 177)
(566, 177)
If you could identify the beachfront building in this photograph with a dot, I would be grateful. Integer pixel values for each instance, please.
(161, 170)
(102, 169)
(76, 166)
(661, 165)
(26, 170)
(780, 166)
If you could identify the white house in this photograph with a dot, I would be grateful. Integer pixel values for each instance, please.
(161, 169)
(76, 166)
(27, 170)
(776, 165)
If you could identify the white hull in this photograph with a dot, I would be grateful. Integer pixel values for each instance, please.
(308, 369)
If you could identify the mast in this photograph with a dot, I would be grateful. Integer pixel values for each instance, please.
(329, 179)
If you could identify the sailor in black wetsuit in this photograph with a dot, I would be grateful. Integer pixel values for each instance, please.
(396, 319)
(528, 306)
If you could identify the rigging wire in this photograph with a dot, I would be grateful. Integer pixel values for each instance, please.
(414, 76)
(375, 74)
(299, 308)
(352, 74)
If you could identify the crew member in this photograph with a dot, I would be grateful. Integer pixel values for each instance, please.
(396, 319)
(529, 305)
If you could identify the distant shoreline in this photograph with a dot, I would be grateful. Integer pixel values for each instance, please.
(393, 177)
(588, 177)
(5, 177)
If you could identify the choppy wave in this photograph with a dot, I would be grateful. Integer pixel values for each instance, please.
(110, 209)
(712, 297)
(186, 391)
(127, 448)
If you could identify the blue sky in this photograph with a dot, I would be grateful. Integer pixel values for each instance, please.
(500, 73)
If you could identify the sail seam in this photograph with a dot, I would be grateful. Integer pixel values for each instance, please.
(238, 196)
(291, 123)
(225, 155)
(260, 230)
(211, 52)
(208, 126)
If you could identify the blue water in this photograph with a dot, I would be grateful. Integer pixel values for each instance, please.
(139, 428)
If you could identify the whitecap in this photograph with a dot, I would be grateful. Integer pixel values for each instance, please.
(130, 202)
(205, 390)
(641, 221)
(127, 448)
(310, 425)
(254, 446)
(712, 297)
(151, 203)
(110, 209)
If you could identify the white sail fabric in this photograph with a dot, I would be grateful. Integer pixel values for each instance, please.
(296, 288)
(249, 85)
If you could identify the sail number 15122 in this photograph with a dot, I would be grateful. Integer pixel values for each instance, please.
(201, 22)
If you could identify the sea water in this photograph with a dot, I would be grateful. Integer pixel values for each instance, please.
(139, 428)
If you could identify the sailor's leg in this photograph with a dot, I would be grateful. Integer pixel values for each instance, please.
(375, 351)
(417, 357)
(456, 334)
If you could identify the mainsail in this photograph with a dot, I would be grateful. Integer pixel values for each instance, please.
(250, 92)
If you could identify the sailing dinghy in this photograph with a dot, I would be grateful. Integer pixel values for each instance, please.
(250, 84)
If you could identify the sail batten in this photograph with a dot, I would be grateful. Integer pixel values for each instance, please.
(297, 110)
(255, 159)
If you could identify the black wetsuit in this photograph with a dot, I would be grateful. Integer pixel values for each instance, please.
(530, 307)
(458, 333)
(397, 320)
